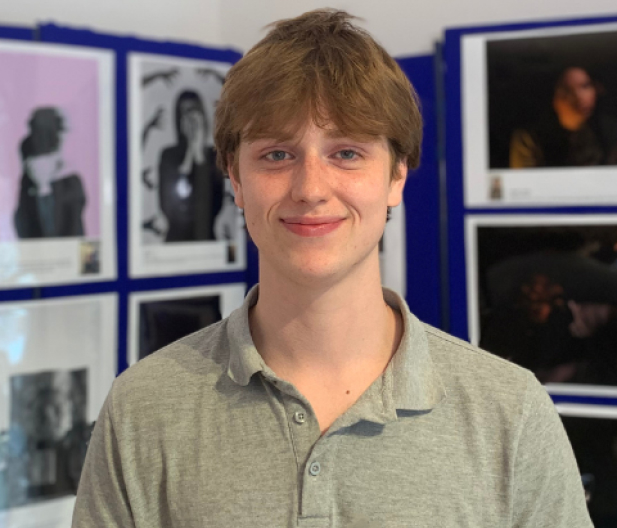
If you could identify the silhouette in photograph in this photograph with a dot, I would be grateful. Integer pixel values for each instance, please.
(50, 202)
(190, 185)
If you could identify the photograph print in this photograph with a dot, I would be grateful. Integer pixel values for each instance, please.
(542, 292)
(56, 160)
(58, 359)
(594, 441)
(49, 432)
(543, 104)
(159, 318)
(183, 214)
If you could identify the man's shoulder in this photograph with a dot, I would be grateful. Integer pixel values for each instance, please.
(464, 367)
(197, 360)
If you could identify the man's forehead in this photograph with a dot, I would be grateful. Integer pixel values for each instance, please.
(294, 132)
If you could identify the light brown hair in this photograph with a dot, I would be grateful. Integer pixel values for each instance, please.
(318, 66)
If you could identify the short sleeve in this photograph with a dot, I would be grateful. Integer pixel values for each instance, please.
(547, 490)
(102, 500)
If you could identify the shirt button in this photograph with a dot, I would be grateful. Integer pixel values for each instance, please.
(300, 417)
(315, 468)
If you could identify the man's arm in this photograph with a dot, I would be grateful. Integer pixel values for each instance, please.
(102, 501)
(547, 490)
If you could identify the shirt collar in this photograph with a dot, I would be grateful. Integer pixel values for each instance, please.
(410, 382)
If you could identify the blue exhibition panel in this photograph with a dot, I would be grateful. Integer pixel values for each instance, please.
(422, 202)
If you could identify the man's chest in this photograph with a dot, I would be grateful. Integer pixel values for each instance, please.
(272, 471)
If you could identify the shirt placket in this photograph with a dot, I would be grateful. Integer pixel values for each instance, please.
(314, 458)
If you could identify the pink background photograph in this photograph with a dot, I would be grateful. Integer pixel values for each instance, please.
(31, 80)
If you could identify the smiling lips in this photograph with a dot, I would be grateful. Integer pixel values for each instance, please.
(315, 226)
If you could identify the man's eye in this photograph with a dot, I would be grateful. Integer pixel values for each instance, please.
(276, 155)
(348, 154)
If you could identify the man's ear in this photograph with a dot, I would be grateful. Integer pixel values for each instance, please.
(395, 196)
(235, 182)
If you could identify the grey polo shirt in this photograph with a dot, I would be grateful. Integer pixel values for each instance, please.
(204, 434)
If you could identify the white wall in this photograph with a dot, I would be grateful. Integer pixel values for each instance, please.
(404, 27)
(182, 20)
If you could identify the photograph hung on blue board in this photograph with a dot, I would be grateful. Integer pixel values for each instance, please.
(57, 364)
(540, 117)
(542, 292)
(158, 318)
(592, 430)
(57, 166)
(183, 216)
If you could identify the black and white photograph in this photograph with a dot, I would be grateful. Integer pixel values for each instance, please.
(592, 431)
(159, 318)
(540, 117)
(57, 165)
(183, 216)
(58, 359)
(542, 292)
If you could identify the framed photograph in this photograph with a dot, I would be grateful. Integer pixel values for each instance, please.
(539, 117)
(592, 430)
(542, 292)
(182, 214)
(393, 252)
(58, 359)
(57, 165)
(159, 318)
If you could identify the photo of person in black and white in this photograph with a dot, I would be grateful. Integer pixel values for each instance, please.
(50, 202)
(190, 185)
(552, 101)
(46, 443)
(185, 197)
(163, 322)
(548, 299)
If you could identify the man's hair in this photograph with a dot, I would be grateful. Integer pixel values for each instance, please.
(318, 66)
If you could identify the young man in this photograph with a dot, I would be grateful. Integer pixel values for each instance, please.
(323, 402)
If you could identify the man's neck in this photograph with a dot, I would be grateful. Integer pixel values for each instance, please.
(332, 331)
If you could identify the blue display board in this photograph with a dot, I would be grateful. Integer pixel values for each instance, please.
(422, 202)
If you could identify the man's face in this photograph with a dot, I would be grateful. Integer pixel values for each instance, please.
(316, 205)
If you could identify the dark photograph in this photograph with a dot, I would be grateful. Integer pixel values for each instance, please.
(595, 446)
(163, 322)
(547, 298)
(552, 101)
(42, 453)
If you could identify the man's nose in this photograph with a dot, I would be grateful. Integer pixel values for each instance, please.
(311, 180)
